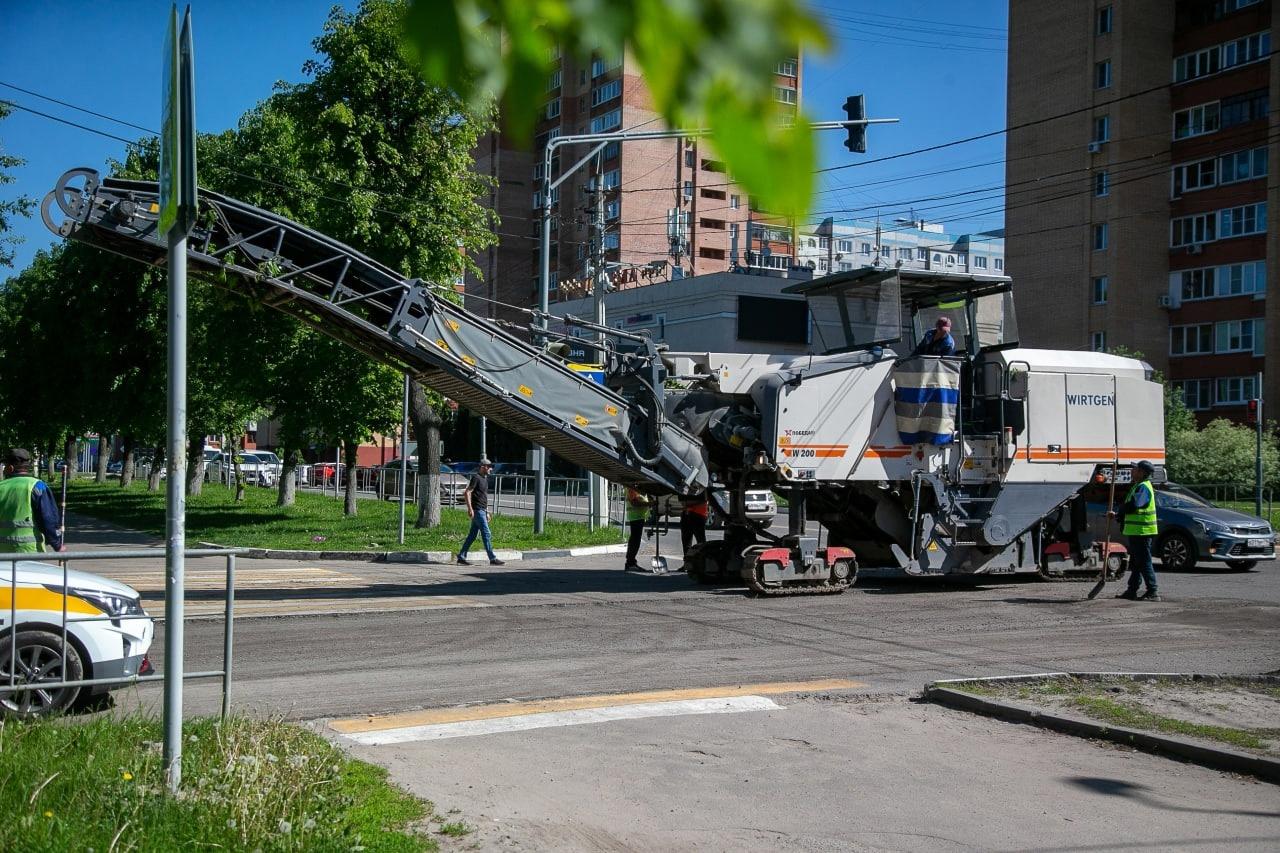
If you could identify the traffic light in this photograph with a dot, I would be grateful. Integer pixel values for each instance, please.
(1251, 415)
(856, 109)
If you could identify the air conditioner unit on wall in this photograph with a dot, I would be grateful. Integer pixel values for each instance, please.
(1095, 147)
(1164, 300)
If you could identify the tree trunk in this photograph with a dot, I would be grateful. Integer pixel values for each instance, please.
(157, 465)
(288, 486)
(126, 465)
(349, 449)
(50, 467)
(195, 463)
(104, 452)
(235, 460)
(70, 457)
(426, 426)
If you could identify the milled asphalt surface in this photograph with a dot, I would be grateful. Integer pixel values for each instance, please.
(863, 769)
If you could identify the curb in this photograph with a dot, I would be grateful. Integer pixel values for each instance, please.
(431, 557)
(1215, 757)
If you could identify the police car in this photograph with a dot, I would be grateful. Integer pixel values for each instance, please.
(108, 636)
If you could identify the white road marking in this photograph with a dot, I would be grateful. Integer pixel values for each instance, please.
(553, 719)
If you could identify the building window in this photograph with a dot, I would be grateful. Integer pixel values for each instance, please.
(1197, 284)
(1238, 336)
(1103, 19)
(1197, 394)
(1195, 121)
(1246, 50)
(713, 254)
(998, 263)
(822, 264)
(1239, 109)
(553, 108)
(1101, 128)
(1239, 221)
(784, 94)
(605, 93)
(612, 240)
(885, 252)
(1242, 166)
(866, 248)
(1234, 390)
(787, 68)
(1189, 177)
(612, 209)
(1189, 230)
(609, 180)
(904, 254)
(1101, 184)
(734, 202)
(1241, 279)
(1099, 236)
(600, 66)
(716, 224)
(611, 151)
(951, 260)
(1191, 340)
(553, 82)
(717, 195)
(845, 266)
(1102, 74)
(844, 246)
(1100, 290)
(1201, 63)
(608, 121)
(979, 262)
(688, 189)
(937, 259)
(922, 254)
(824, 242)
(1098, 342)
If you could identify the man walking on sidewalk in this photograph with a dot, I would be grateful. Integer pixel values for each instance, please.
(28, 511)
(477, 499)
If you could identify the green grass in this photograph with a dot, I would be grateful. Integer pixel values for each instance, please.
(98, 784)
(314, 523)
(1096, 701)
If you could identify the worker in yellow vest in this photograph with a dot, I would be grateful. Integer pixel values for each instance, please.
(638, 506)
(28, 511)
(1139, 518)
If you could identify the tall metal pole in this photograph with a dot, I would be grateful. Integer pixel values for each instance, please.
(484, 441)
(176, 508)
(404, 456)
(597, 487)
(1257, 461)
(544, 300)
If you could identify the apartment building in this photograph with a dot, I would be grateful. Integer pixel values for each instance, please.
(911, 243)
(1137, 192)
(670, 209)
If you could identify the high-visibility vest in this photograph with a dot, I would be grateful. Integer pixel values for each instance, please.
(17, 526)
(1142, 521)
(637, 506)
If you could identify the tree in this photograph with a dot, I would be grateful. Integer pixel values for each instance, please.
(707, 63)
(1222, 452)
(20, 206)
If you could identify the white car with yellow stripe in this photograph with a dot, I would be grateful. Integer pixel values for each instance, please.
(108, 636)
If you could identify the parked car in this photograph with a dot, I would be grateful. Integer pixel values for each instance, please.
(257, 471)
(269, 459)
(97, 647)
(1193, 529)
(759, 505)
(452, 484)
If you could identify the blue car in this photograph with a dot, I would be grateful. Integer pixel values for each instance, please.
(1193, 529)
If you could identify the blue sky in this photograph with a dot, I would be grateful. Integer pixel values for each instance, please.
(938, 65)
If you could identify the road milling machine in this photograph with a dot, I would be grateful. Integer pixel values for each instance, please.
(909, 465)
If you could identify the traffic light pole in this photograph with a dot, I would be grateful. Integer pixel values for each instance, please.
(1257, 460)
(600, 140)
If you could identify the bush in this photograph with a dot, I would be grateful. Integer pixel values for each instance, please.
(1222, 452)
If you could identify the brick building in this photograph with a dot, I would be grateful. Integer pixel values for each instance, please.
(1137, 191)
(670, 210)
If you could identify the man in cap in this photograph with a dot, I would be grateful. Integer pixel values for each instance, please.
(477, 500)
(1138, 516)
(28, 511)
(938, 340)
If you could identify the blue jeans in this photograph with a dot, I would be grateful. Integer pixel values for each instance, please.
(480, 524)
(1140, 568)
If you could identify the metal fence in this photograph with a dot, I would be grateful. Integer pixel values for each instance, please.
(1221, 493)
(64, 559)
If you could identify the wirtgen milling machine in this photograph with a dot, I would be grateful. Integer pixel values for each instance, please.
(967, 464)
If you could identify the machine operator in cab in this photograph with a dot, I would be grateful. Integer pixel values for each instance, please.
(938, 340)
(1139, 519)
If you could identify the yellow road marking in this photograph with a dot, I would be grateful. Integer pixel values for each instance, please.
(433, 716)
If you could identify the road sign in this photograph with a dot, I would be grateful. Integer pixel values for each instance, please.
(178, 130)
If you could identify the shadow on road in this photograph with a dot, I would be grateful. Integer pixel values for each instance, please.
(1140, 793)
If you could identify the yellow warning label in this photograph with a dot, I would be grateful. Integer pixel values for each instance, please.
(155, 208)
(580, 420)
(440, 343)
(526, 390)
(469, 360)
(453, 324)
(611, 411)
(784, 439)
(933, 546)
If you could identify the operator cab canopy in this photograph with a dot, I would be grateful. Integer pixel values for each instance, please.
(870, 307)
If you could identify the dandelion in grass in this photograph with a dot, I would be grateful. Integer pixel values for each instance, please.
(285, 827)
(48, 813)
(126, 776)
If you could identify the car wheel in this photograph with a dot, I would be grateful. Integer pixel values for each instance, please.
(1241, 565)
(1178, 552)
(39, 660)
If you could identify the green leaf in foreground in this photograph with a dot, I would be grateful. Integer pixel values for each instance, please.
(706, 62)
